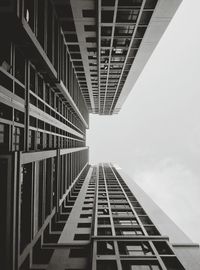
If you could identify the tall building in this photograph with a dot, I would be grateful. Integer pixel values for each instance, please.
(110, 226)
(59, 61)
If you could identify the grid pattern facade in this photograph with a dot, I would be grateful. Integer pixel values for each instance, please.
(103, 39)
(43, 121)
(124, 236)
(37, 111)
(122, 25)
(86, 220)
(83, 50)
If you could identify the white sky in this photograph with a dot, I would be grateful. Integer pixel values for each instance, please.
(156, 136)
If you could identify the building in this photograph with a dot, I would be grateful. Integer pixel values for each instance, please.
(43, 119)
(59, 61)
(108, 228)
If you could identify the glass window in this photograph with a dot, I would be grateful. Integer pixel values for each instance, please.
(104, 231)
(172, 263)
(18, 139)
(5, 56)
(107, 16)
(126, 222)
(78, 253)
(132, 265)
(128, 15)
(40, 87)
(127, 231)
(26, 202)
(86, 216)
(29, 12)
(4, 136)
(19, 66)
(151, 230)
(81, 237)
(84, 225)
(135, 248)
(31, 139)
(122, 213)
(162, 247)
(145, 220)
(105, 248)
(103, 221)
(106, 265)
(5, 111)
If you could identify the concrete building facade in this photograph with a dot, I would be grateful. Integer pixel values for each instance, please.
(59, 61)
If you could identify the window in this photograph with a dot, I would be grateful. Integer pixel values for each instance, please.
(47, 94)
(5, 111)
(124, 30)
(140, 211)
(40, 255)
(31, 139)
(78, 253)
(26, 202)
(108, 2)
(85, 215)
(128, 15)
(129, 231)
(104, 231)
(105, 248)
(40, 21)
(151, 230)
(135, 248)
(5, 58)
(103, 221)
(81, 237)
(106, 265)
(19, 66)
(84, 225)
(150, 4)
(49, 30)
(145, 17)
(172, 263)
(40, 168)
(103, 204)
(145, 220)
(107, 16)
(106, 31)
(18, 139)
(48, 197)
(32, 79)
(18, 116)
(89, 197)
(88, 203)
(162, 247)
(122, 213)
(103, 211)
(4, 136)
(39, 140)
(86, 208)
(40, 87)
(120, 206)
(132, 265)
(29, 15)
(89, 13)
(126, 222)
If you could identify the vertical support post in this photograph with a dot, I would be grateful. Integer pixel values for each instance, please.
(27, 100)
(57, 180)
(9, 172)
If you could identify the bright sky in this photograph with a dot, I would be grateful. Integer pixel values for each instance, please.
(156, 136)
